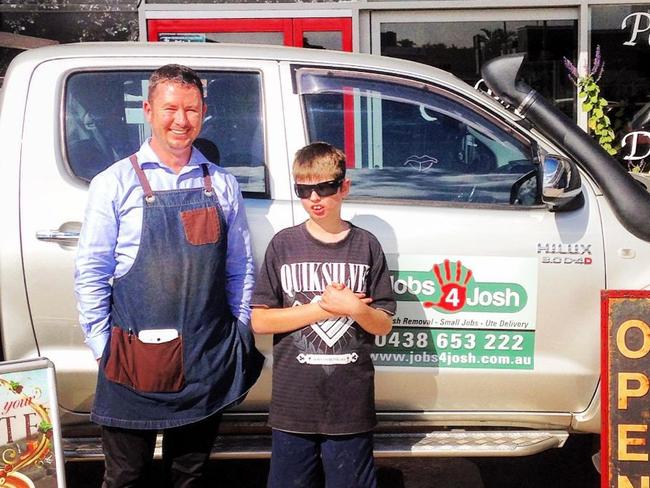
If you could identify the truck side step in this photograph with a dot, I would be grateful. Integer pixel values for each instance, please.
(455, 443)
(468, 443)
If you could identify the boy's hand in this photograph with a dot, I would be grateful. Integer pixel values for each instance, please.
(362, 296)
(341, 300)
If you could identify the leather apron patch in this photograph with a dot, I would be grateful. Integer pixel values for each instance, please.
(201, 225)
(155, 368)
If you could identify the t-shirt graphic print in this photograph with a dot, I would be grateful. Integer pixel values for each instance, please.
(305, 282)
(323, 377)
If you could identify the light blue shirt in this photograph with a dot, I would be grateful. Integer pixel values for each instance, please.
(110, 236)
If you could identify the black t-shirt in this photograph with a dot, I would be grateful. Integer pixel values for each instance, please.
(323, 376)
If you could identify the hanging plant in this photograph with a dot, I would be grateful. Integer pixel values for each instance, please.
(592, 102)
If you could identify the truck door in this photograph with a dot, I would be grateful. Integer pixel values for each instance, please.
(498, 298)
(100, 121)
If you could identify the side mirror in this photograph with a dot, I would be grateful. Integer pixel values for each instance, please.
(561, 183)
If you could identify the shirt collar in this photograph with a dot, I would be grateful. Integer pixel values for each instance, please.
(147, 156)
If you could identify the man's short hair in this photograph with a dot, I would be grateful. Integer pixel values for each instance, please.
(319, 160)
(175, 73)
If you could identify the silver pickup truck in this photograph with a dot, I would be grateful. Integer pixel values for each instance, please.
(501, 221)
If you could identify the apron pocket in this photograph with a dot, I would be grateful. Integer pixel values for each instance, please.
(201, 225)
(151, 368)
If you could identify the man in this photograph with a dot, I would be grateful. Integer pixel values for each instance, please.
(164, 276)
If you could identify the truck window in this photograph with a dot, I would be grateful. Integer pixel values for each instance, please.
(407, 140)
(104, 122)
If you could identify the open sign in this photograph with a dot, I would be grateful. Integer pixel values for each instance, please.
(625, 437)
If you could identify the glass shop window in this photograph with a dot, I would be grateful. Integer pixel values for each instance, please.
(462, 47)
(622, 33)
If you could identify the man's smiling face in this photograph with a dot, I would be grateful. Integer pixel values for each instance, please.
(175, 112)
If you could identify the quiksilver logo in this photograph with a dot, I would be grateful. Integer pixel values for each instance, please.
(313, 277)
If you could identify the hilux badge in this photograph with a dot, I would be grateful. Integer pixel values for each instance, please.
(561, 248)
(561, 253)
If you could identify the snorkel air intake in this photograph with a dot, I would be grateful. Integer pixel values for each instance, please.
(629, 201)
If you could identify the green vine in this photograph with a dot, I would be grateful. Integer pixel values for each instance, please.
(593, 103)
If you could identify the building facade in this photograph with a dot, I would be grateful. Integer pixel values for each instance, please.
(455, 35)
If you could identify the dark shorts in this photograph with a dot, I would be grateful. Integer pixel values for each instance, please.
(316, 460)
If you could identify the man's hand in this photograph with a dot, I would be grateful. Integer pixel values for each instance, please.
(340, 300)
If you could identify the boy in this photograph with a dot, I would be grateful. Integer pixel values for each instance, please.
(314, 293)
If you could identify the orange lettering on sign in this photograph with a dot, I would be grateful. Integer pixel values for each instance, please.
(624, 441)
(624, 482)
(625, 390)
(622, 343)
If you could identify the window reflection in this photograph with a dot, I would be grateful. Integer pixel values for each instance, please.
(276, 38)
(408, 143)
(101, 130)
(323, 40)
(67, 23)
(621, 32)
(463, 47)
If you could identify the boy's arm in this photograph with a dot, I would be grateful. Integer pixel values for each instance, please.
(340, 300)
(279, 320)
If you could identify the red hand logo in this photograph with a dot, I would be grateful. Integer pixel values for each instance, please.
(454, 292)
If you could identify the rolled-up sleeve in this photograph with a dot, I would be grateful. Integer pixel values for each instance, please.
(95, 263)
(240, 269)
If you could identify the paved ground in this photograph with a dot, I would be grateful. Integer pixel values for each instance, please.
(569, 467)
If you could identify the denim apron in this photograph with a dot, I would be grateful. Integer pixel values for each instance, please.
(176, 353)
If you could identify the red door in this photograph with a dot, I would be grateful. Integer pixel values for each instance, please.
(324, 33)
(319, 33)
(313, 32)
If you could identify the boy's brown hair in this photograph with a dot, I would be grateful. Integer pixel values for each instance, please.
(319, 160)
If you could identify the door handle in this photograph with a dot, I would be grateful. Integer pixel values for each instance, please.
(57, 235)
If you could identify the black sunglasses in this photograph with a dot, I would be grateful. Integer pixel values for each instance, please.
(323, 189)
